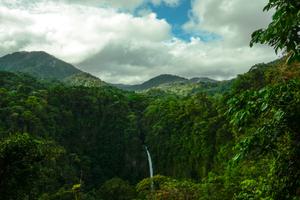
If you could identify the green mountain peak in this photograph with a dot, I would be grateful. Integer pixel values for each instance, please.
(37, 63)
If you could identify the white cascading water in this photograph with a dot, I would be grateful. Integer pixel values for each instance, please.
(150, 165)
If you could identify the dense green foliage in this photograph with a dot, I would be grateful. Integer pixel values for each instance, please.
(210, 141)
(191, 88)
(66, 142)
(96, 126)
(283, 33)
(23, 161)
(84, 79)
(179, 127)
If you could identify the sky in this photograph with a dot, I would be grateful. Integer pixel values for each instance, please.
(130, 41)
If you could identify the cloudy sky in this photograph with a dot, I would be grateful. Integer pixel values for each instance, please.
(129, 41)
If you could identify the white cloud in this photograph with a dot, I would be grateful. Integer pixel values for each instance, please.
(233, 20)
(119, 47)
(137, 62)
(125, 5)
(76, 33)
(167, 2)
(120, 4)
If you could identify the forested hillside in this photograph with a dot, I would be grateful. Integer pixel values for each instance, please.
(39, 64)
(179, 85)
(82, 139)
(46, 67)
(154, 82)
(77, 140)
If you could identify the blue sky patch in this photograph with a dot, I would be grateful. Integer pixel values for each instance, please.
(177, 16)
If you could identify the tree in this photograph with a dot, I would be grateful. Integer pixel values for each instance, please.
(283, 33)
(25, 166)
(117, 189)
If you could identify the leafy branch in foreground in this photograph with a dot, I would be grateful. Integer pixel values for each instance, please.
(283, 33)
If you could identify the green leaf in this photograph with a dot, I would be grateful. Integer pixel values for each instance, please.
(264, 106)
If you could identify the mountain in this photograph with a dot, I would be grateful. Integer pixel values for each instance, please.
(38, 64)
(45, 66)
(162, 79)
(178, 85)
(42, 65)
(152, 83)
(84, 79)
(202, 80)
(190, 88)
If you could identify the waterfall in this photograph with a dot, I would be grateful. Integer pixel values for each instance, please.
(150, 166)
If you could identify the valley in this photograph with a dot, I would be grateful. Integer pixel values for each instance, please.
(87, 137)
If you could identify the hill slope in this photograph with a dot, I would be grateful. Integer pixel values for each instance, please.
(84, 79)
(179, 85)
(39, 64)
(163, 80)
(152, 83)
(45, 66)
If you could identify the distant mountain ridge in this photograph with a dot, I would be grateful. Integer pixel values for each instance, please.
(202, 80)
(42, 65)
(162, 80)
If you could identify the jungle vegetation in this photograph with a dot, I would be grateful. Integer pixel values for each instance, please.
(63, 141)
